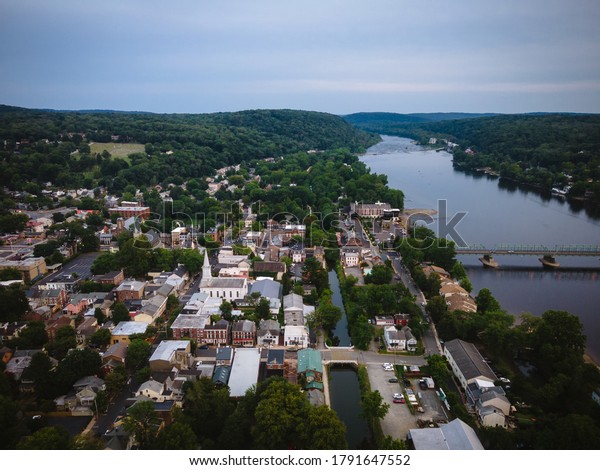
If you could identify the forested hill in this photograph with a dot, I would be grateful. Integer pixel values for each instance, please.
(271, 132)
(387, 123)
(51, 146)
(544, 150)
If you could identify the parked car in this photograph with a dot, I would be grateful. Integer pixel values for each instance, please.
(399, 400)
(393, 380)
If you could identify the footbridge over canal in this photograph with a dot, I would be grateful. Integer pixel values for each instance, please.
(547, 254)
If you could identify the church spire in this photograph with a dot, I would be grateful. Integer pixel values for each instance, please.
(206, 272)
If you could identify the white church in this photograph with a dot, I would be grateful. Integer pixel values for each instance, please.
(228, 288)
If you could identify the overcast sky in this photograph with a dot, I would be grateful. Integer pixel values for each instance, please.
(337, 56)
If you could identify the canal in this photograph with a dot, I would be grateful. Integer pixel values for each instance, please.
(344, 393)
(341, 329)
(498, 212)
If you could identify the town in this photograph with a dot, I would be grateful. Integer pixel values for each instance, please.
(153, 297)
(225, 319)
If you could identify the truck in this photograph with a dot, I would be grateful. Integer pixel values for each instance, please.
(429, 382)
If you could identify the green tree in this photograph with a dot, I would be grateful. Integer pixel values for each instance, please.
(100, 338)
(486, 301)
(279, 416)
(372, 407)
(120, 312)
(143, 422)
(77, 364)
(322, 430)
(262, 310)
(380, 274)
(13, 303)
(48, 438)
(8, 422)
(115, 381)
(40, 371)
(138, 353)
(178, 436)
(64, 340)
(191, 259)
(208, 408)
(33, 336)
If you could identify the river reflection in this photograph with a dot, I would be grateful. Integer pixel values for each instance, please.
(501, 212)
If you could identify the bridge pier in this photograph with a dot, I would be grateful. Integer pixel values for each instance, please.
(488, 261)
(548, 261)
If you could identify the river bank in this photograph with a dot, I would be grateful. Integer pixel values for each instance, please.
(519, 217)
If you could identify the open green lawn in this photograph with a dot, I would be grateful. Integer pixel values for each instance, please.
(117, 150)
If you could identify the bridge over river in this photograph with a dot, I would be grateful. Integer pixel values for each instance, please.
(548, 254)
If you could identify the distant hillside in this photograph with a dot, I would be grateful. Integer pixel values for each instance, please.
(545, 150)
(387, 123)
(52, 146)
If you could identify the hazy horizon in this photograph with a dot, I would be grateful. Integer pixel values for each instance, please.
(337, 56)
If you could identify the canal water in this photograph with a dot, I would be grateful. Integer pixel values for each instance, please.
(497, 212)
(344, 393)
(341, 329)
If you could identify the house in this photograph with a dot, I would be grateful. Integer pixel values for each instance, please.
(244, 372)
(224, 356)
(30, 268)
(221, 375)
(114, 356)
(296, 336)
(151, 310)
(125, 329)
(243, 333)
(169, 354)
(310, 368)
(466, 363)
(130, 290)
(20, 361)
(492, 408)
(275, 268)
(350, 258)
(57, 322)
(294, 310)
(86, 329)
(111, 278)
(190, 326)
(455, 435)
(374, 210)
(151, 389)
(271, 290)
(275, 359)
(217, 334)
(268, 333)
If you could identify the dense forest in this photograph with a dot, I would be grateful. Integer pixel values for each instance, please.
(39, 146)
(543, 150)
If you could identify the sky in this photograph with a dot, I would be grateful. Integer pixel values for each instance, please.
(336, 56)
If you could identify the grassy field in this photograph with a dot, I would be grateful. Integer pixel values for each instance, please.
(117, 150)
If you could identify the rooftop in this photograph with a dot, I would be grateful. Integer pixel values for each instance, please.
(128, 328)
(244, 372)
(166, 349)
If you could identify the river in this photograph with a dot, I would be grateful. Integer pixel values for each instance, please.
(497, 212)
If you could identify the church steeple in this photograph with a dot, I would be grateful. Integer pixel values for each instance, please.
(206, 272)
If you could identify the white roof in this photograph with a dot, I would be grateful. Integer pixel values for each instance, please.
(190, 321)
(128, 328)
(244, 372)
(166, 349)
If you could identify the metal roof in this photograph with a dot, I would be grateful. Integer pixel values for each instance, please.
(244, 372)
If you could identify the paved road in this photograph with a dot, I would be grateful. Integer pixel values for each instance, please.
(430, 338)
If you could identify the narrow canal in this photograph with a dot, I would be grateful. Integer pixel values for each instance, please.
(344, 390)
(341, 329)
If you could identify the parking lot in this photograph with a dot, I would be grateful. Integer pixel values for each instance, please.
(399, 420)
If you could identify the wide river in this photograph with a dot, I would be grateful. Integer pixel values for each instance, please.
(499, 213)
